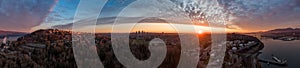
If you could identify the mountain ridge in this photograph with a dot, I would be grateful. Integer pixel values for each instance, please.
(11, 33)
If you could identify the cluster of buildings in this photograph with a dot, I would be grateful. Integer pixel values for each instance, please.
(240, 45)
(59, 44)
(242, 53)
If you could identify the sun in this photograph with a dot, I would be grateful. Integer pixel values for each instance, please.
(200, 32)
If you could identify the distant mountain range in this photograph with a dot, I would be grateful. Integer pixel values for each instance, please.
(280, 30)
(286, 34)
(11, 33)
(284, 30)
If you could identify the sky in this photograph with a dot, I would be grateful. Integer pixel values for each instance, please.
(239, 15)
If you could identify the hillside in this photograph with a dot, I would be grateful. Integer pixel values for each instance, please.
(286, 34)
(52, 48)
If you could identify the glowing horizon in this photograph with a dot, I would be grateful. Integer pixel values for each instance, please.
(154, 28)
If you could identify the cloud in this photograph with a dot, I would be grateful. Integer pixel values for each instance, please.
(263, 14)
(247, 14)
(63, 12)
(86, 22)
(111, 20)
(22, 15)
(233, 27)
(152, 20)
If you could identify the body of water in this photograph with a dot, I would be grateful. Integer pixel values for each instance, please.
(289, 50)
(14, 38)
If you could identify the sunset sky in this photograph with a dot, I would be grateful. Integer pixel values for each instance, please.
(244, 15)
